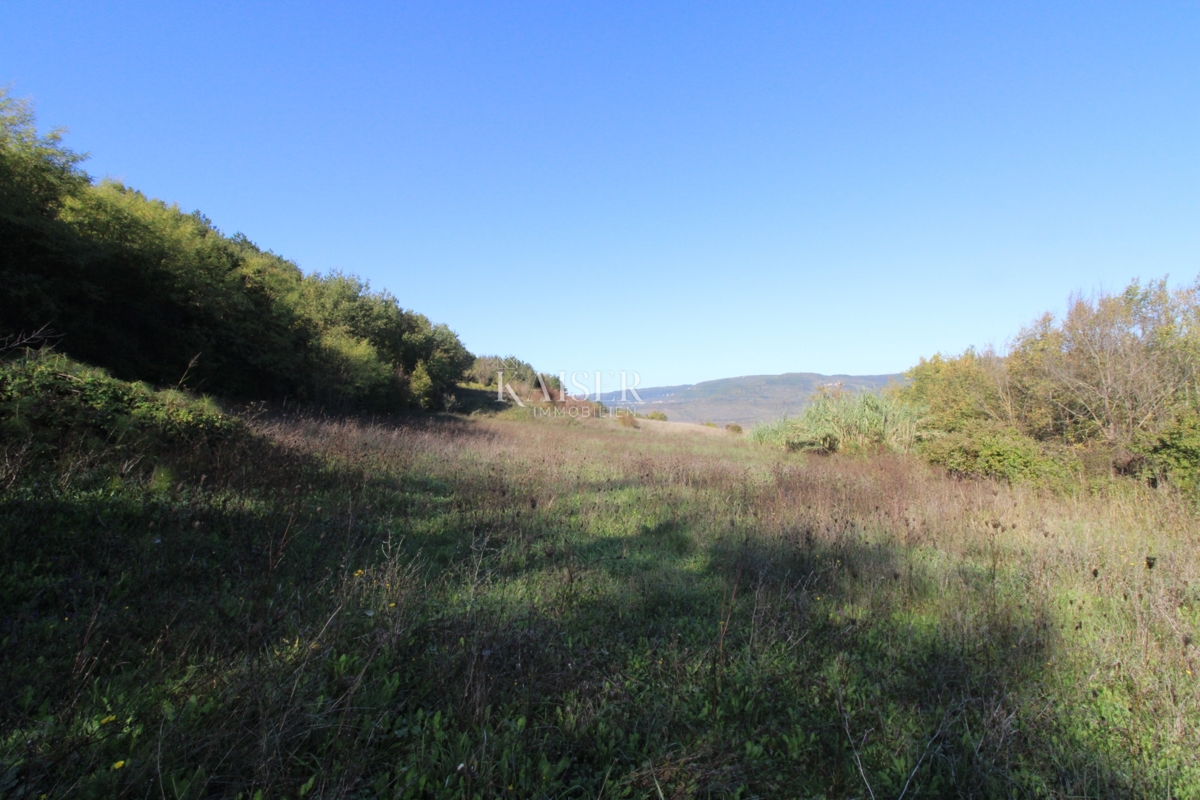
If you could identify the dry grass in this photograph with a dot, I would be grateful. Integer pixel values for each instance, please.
(1061, 578)
(556, 606)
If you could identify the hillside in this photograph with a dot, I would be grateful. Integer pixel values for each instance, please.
(122, 281)
(445, 607)
(985, 583)
(746, 400)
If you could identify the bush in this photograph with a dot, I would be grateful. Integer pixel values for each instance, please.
(989, 449)
(1174, 455)
(954, 391)
(733, 427)
(53, 410)
(658, 415)
(485, 369)
(1111, 381)
(150, 293)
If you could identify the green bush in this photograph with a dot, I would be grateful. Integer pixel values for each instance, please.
(150, 293)
(1174, 455)
(485, 369)
(954, 391)
(422, 387)
(53, 408)
(658, 415)
(993, 450)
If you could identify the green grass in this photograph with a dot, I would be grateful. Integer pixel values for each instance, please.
(450, 607)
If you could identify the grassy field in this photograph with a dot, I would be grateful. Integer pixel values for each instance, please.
(505, 607)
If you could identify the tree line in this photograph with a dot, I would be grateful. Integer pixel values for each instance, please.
(1110, 388)
(137, 286)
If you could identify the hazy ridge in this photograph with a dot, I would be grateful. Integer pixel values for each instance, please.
(745, 400)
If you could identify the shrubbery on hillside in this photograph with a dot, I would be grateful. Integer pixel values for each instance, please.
(60, 418)
(998, 451)
(1110, 389)
(487, 369)
(154, 294)
(47, 392)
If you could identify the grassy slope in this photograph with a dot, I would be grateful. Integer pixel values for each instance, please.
(450, 607)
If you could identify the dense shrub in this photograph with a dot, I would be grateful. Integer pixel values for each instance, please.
(485, 369)
(954, 392)
(151, 293)
(58, 416)
(994, 450)
(525, 380)
(1109, 389)
(1174, 454)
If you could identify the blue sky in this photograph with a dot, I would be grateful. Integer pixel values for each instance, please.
(687, 190)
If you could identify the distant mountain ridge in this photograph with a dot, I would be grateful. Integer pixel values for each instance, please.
(746, 400)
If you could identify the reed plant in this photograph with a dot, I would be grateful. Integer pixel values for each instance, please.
(840, 421)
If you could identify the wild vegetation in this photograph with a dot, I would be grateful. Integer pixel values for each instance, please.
(1109, 390)
(151, 293)
(487, 371)
(984, 583)
(837, 420)
(198, 604)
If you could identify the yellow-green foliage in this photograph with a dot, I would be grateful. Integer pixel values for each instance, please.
(1174, 453)
(1109, 388)
(422, 386)
(151, 293)
(1114, 369)
(990, 448)
(953, 391)
(354, 365)
(486, 369)
(51, 406)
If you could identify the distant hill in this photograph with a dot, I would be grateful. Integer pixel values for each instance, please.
(746, 400)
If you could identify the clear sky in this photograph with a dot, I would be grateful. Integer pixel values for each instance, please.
(688, 190)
